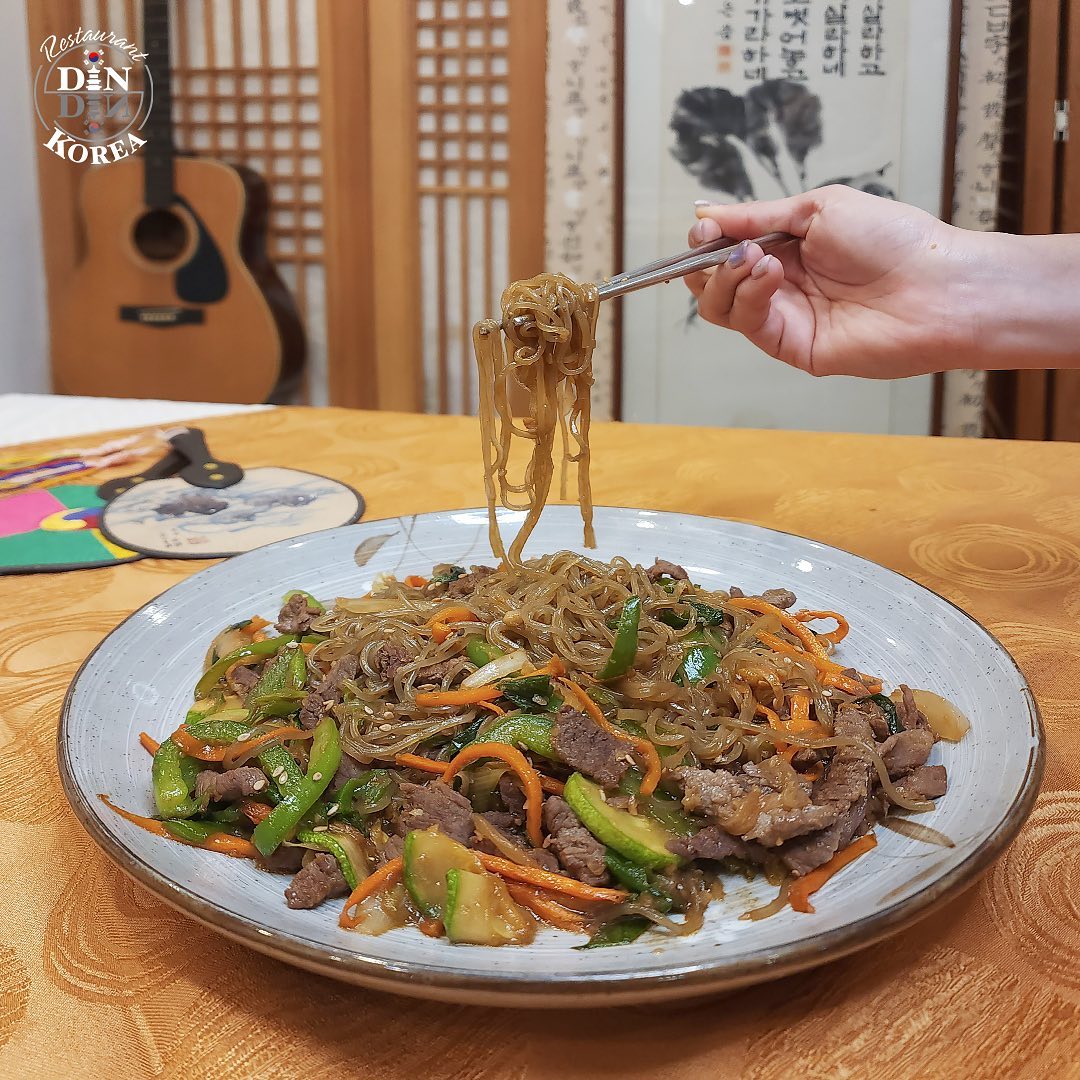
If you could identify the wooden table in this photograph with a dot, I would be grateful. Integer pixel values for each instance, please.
(97, 978)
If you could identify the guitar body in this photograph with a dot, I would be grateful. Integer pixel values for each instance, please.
(178, 301)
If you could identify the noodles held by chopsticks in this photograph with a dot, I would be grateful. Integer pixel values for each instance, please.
(550, 358)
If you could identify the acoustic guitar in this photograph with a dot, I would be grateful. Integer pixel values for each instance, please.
(176, 297)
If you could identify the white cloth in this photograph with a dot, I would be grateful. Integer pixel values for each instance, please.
(29, 417)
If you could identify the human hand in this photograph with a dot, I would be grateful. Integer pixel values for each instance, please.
(870, 290)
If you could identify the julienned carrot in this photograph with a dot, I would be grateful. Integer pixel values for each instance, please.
(150, 745)
(830, 669)
(551, 785)
(788, 622)
(850, 686)
(764, 710)
(800, 711)
(306, 646)
(548, 881)
(225, 843)
(430, 765)
(553, 667)
(431, 927)
(529, 777)
(383, 878)
(424, 764)
(285, 732)
(255, 811)
(648, 752)
(440, 622)
(545, 908)
(435, 699)
(492, 707)
(256, 623)
(801, 890)
(784, 648)
(197, 748)
(415, 581)
(835, 636)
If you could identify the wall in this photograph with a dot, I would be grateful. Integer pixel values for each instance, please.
(23, 339)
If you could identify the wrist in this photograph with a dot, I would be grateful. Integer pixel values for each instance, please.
(1011, 305)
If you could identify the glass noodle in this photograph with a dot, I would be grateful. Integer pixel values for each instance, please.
(548, 360)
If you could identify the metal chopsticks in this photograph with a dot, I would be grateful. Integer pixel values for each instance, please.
(714, 253)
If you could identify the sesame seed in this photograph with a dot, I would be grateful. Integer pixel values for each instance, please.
(386, 727)
(369, 710)
(332, 809)
(826, 693)
(316, 777)
(388, 714)
(416, 813)
(258, 785)
(603, 795)
(321, 828)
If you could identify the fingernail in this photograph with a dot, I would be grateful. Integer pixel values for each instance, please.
(762, 266)
(738, 256)
(704, 230)
(704, 202)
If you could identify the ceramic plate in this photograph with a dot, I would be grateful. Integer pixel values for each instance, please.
(141, 678)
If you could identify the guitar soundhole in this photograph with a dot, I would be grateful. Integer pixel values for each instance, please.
(160, 235)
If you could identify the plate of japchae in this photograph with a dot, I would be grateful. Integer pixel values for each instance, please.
(703, 755)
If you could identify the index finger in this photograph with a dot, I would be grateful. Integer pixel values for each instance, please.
(743, 221)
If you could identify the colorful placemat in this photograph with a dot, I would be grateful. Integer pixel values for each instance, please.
(55, 528)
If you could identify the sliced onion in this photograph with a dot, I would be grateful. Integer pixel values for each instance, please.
(944, 718)
(355, 845)
(385, 910)
(916, 830)
(505, 846)
(499, 668)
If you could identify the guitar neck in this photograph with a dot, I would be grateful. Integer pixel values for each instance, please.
(159, 151)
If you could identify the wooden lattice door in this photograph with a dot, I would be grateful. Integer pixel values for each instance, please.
(403, 145)
(458, 111)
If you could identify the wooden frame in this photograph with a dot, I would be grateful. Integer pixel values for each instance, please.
(351, 309)
(58, 179)
(1065, 404)
(1033, 388)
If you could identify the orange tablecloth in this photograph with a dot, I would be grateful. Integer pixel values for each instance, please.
(98, 978)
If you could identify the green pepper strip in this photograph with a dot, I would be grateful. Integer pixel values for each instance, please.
(535, 732)
(630, 874)
(464, 737)
(888, 707)
(276, 761)
(481, 652)
(172, 781)
(327, 842)
(702, 657)
(637, 879)
(358, 795)
(323, 762)
(624, 650)
(663, 808)
(311, 601)
(523, 692)
(214, 673)
(620, 931)
(198, 832)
